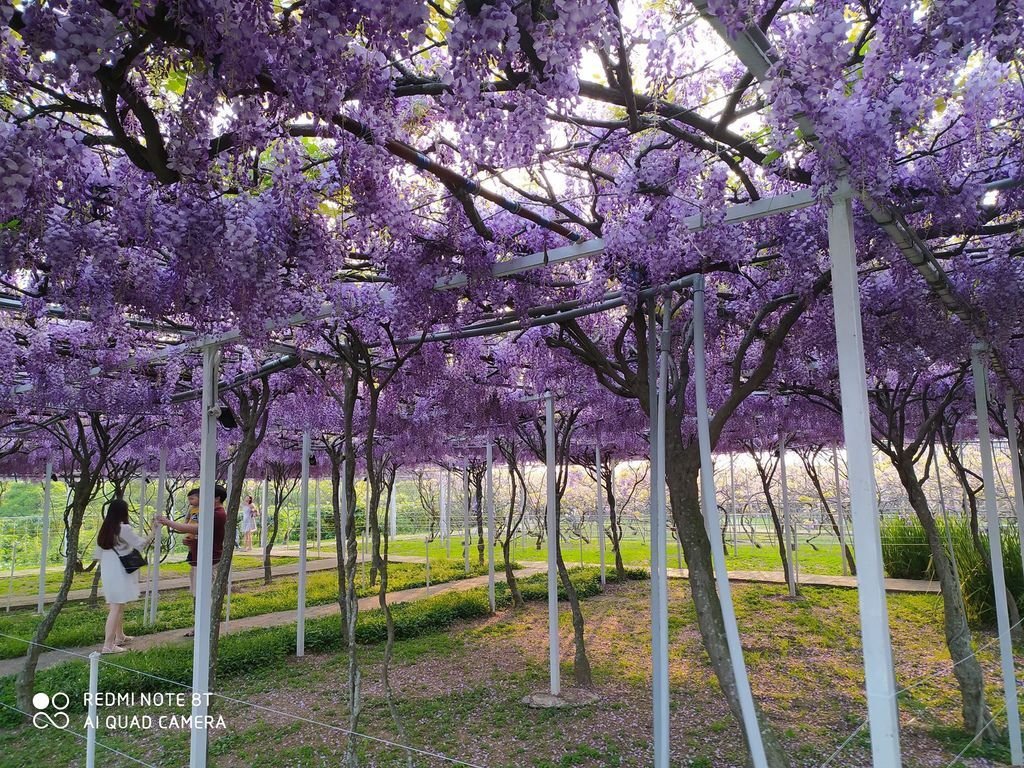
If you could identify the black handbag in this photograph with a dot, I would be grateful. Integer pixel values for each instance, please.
(132, 561)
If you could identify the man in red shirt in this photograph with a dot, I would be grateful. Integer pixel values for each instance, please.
(220, 519)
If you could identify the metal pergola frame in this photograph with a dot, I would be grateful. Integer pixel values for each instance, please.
(875, 632)
(755, 52)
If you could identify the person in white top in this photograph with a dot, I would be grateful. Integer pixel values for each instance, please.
(116, 538)
(250, 516)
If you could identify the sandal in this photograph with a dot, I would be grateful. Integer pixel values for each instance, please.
(190, 633)
(114, 649)
(125, 638)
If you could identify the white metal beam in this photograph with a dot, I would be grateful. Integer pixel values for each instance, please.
(883, 717)
(756, 53)
(658, 375)
(600, 508)
(44, 550)
(712, 525)
(204, 558)
(489, 480)
(734, 214)
(300, 605)
(995, 544)
(554, 671)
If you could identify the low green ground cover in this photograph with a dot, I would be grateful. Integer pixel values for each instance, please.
(79, 625)
(247, 651)
(460, 673)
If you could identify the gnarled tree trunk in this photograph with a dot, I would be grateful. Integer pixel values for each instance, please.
(682, 467)
(966, 668)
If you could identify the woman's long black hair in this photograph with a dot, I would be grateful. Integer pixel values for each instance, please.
(117, 514)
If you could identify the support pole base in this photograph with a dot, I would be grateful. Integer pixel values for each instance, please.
(568, 698)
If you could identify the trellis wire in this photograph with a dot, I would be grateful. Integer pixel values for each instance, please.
(78, 735)
(339, 729)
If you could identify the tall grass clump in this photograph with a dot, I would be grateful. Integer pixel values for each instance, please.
(906, 555)
(905, 549)
(979, 594)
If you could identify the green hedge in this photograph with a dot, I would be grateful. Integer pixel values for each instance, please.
(906, 555)
(260, 648)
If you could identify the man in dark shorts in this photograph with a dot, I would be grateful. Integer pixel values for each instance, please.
(190, 527)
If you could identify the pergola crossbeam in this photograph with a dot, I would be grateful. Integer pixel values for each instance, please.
(757, 54)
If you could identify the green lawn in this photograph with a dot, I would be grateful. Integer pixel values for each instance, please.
(29, 585)
(79, 625)
(825, 560)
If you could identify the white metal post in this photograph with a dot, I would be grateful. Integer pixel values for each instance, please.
(658, 372)
(840, 517)
(1018, 489)
(732, 504)
(300, 626)
(710, 509)
(228, 487)
(600, 509)
(228, 483)
(552, 520)
(883, 717)
(148, 581)
(319, 517)
(581, 543)
(44, 550)
(90, 729)
(204, 557)
(143, 482)
(787, 523)
(10, 581)
(227, 608)
(366, 528)
(465, 512)
(264, 514)
(393, 511)
(945, 522)
(448, 496)
(342, 546)
(995, 548)
(67, 503)
(161, 503)
(489, 481)
(442, 502)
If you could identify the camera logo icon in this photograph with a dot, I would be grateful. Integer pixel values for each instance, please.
(50, 710)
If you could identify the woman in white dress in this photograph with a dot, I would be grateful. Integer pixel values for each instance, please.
(115, 538)
(250, 513)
